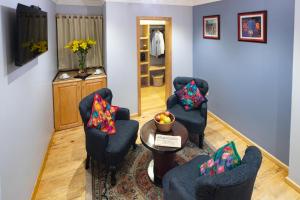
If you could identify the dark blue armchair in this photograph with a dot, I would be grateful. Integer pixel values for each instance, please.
(108, 149)
(184, 182)
(194, 120)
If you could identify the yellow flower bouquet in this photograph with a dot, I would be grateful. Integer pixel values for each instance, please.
(81, 48)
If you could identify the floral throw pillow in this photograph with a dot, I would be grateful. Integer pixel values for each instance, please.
(103, 116)
(190, 96)
(225, 158)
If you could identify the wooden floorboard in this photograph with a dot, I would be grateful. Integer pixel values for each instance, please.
(64, 174)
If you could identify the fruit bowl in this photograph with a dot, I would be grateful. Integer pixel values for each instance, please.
(164, 121)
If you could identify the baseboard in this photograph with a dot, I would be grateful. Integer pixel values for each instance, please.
(291, 183)
(39, 178)
(250, 142)
(134, 115)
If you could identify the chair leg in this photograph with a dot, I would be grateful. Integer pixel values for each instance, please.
(201, 138)
(113, 179)
(87, 161)
(134, 146)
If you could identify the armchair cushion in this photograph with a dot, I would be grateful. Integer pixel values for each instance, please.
(119, 144)
(190, 96)
(102, 115)
(193, 119)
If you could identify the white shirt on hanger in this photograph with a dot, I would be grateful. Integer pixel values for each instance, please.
(157, 44)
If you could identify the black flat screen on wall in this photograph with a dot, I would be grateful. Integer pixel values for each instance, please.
(31, 33)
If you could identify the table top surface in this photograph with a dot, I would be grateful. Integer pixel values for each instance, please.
(149, 131)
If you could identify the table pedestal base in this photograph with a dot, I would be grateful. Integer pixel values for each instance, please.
(159, 166)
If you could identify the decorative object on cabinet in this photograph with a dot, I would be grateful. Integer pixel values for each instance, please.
(252, 26)
(98, 71)
(68, 93)
(64, 76)
(81, 49)
(211, 27)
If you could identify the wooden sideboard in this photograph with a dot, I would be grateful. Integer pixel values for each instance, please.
(68, 93)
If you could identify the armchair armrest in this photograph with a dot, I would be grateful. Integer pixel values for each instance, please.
(172, 101)
(123, 114)
(96, 142)
(178, 191)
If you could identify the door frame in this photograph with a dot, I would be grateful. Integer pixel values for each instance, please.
(168, 57)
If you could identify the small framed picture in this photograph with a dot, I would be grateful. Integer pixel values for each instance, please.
(252, 26)
(211, 27)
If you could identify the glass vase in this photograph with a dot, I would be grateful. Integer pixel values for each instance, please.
(82, 63)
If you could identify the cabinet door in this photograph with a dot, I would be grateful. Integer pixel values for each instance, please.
(66, 105)
(90, 86)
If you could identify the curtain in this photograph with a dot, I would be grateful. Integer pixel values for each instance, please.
(70, 27)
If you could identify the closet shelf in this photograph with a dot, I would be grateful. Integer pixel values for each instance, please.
(144, 38)
(142, 50)
(156, 68)
(144, 75)
(144, 63)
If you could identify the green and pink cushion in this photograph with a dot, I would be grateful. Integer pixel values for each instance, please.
(225, 158)
(190, 96)
(103, 116)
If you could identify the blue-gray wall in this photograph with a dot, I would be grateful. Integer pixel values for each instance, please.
(250, 83)
(26, 114)
(79, 10)
(294, 163)
(121, 46)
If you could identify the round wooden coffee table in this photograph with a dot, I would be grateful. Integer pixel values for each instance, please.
(163, 157)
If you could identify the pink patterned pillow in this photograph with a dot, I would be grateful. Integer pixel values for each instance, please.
(225, 158)
(190, 96)
(103, 116)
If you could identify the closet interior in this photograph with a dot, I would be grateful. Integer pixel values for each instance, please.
(152, 53)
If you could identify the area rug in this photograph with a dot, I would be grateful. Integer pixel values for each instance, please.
(132, 177)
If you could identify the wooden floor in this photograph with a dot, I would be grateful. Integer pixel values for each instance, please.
(64, 174)
(152, 98)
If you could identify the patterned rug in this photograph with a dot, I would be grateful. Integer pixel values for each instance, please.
(132, 177)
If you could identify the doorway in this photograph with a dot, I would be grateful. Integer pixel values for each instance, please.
(154, 55)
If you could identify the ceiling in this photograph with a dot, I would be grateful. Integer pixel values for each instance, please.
(166, 2)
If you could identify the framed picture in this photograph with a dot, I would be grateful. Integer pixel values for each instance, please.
(211, 27)
(252, 26)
